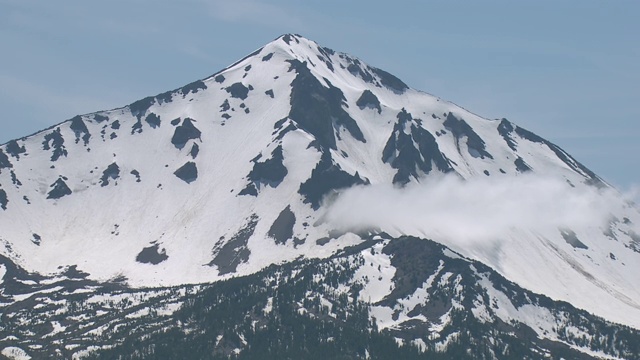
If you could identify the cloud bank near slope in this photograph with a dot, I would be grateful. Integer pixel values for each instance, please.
(475, 210)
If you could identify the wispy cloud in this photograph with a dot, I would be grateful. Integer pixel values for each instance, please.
(475, 211)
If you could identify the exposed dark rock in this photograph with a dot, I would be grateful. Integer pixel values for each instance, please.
(325, 57)
(100, 118)
(572, 239)
(326, 51)
(136, 173)
(323, 241)
(327, 177)
(4, 200)
(267, 57)
(152, 255)
(593, 179)
(165, 97)
(14, 150)
(72, 272)
(247, 68)
(459, 128)
(55, 142)
(4, 161)
(185, 132)
(219, 78)
(137, 127)
(80, 130)
(390, 81)
(356, 69)
(140, 107)
(521, 165)
(111, 172)
(401, 153)
(635, 241)
(272, 171)
(282, 229)
(287, 38)
(319, 110)
(505, 129)
(14, 179)
(225, 106)
(36, 239)
(327, 62)
(278, 124)
(175, 122)
(528, 135)
(194, 87)
(235, 251)
(187, 172)
(415, 260)
(634, 244)
(153, 120)
(270, 93)
(58, 189)
(250, 189)
(368, 99)
(115, 125)
(195, 149)
(238, 90)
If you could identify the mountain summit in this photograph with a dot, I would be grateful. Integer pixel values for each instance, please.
(233, 173)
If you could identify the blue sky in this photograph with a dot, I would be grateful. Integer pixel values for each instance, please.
(567, 70)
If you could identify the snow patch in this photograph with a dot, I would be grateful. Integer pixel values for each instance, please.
(15, 353)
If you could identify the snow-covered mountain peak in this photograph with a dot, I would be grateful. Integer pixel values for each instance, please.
(230, 174)
(293, 45)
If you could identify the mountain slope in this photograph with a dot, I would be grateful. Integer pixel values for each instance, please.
(230, 174)
(421, 300)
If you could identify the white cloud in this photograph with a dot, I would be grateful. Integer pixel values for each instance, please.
(633, 194)
(474, 211)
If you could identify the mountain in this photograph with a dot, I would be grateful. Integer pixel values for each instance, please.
(210, 202)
